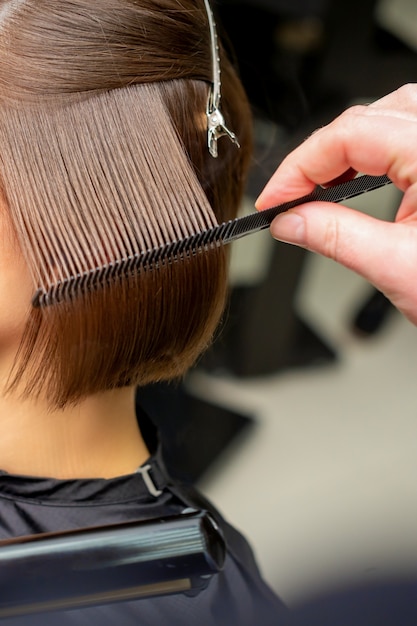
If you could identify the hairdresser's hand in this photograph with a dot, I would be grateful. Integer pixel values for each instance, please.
(380, 138)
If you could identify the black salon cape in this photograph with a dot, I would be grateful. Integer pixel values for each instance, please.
(237, 596)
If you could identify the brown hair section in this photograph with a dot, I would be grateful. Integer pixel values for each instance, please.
(66, 70)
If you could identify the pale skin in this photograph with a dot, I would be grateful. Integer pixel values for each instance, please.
(379, 138)
(98, 438)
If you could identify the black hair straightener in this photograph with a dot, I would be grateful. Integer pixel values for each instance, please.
(122, 562)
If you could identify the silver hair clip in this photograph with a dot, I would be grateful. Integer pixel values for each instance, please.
(216, 126)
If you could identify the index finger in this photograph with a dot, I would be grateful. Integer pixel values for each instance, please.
(357, 139)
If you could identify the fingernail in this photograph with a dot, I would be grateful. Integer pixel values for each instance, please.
(289, 228)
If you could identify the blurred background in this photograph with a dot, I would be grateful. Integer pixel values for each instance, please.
(301, 422)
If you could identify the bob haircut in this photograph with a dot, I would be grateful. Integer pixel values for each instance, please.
(103, 114)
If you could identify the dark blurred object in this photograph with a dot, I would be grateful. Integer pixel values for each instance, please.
(285, 7)
(372, 314)
(122, 562)
(278, 46)
(387, 42)
(302, 62)
(263, 333)
(193, 432)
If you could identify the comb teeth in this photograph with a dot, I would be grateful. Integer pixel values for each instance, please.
(98, 277)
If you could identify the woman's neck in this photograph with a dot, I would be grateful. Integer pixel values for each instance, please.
(98, 438)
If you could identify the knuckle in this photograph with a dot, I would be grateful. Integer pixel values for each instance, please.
(408, 92)
(355, 109)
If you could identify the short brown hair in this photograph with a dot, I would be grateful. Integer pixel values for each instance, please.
(73, 76)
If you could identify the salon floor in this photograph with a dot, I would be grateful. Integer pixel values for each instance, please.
(325, 483)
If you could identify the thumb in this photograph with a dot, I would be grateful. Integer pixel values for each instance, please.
(384, 253)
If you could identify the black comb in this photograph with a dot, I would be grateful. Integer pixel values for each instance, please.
(208, 239)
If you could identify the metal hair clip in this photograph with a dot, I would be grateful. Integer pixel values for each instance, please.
(216, 126)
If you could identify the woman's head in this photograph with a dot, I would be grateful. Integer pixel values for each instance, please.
(103, 149)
